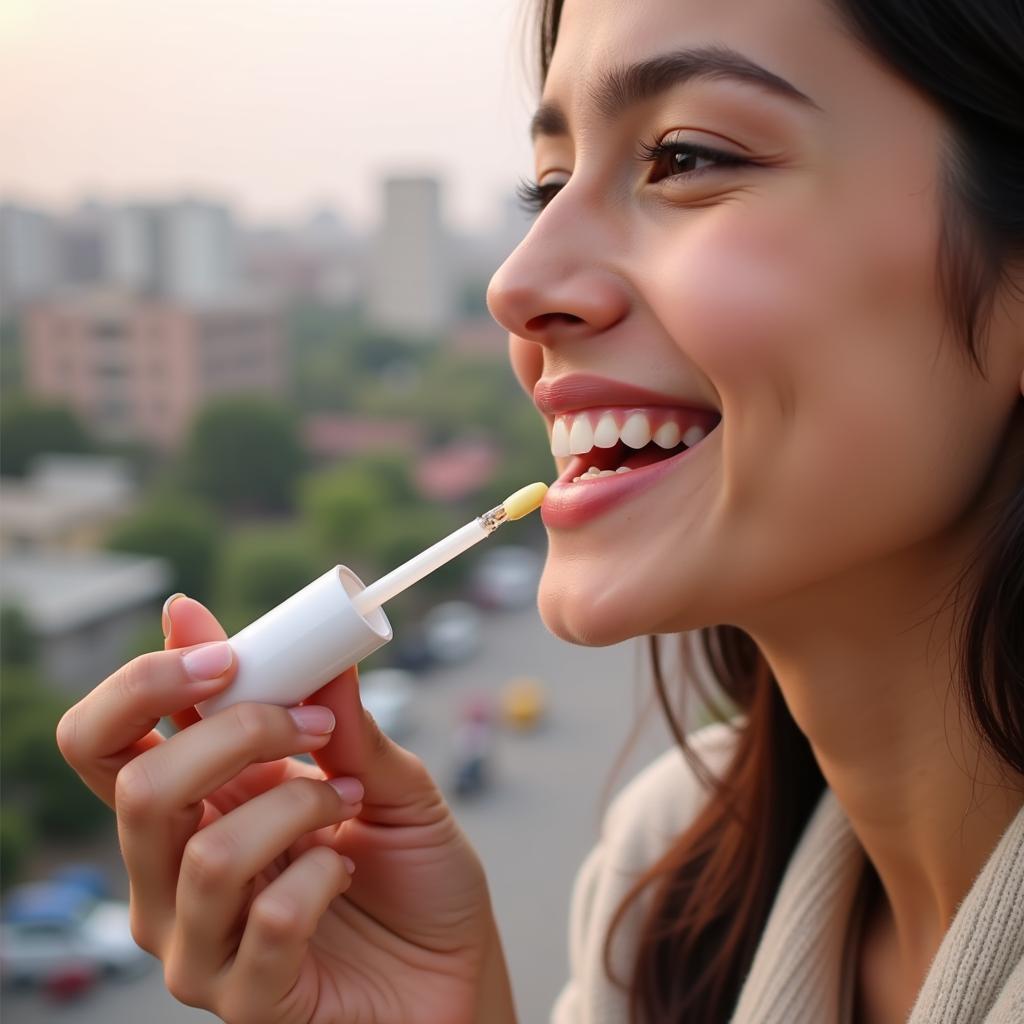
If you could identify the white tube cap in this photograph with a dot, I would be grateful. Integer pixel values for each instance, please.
(303, 643)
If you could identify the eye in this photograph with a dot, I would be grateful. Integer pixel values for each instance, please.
(533, 197)
(675, 159)
(688, 159)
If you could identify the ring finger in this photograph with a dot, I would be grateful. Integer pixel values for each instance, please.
(221, 861)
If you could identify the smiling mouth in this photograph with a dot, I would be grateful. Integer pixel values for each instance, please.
(615, 440)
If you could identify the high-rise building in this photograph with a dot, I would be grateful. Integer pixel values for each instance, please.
(412, 283)
(29, 254)
(137, 368)
(199, 251)
(186, 250)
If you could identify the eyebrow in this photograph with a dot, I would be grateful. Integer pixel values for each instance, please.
(623, 87)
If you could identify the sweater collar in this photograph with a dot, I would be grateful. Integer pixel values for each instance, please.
(798, 976)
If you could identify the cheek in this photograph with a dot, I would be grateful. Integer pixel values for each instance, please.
(737, 293)
(839, 387)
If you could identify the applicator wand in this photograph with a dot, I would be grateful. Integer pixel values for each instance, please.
(336, 621)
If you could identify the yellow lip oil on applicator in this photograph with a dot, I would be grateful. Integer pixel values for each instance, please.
(336, 621)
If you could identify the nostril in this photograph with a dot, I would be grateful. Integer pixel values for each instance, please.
(539, 323)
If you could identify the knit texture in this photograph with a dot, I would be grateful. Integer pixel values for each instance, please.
(803, 970)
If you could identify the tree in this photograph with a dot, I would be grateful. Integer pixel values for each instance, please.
(30, 428)
(244, 454)
(37, 779)
(263, 567)
(341, 506)
(18, 643)
(179, 529)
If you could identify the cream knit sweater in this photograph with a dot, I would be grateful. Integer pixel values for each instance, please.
(803, 971)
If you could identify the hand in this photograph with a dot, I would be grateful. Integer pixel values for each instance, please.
(240, 856)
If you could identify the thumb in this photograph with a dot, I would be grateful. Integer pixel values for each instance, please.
(186, 622)
(392, 777)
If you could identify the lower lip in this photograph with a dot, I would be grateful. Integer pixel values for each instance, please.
(567, 505)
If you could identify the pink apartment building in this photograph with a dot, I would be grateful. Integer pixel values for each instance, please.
(137, 368)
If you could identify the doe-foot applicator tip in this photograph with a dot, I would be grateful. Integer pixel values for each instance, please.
(525, 500)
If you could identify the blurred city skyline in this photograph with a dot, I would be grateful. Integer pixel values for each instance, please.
(277, 109)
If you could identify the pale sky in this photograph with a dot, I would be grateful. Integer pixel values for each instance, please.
(274, 105)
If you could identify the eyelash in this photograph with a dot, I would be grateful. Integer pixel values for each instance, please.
(533, 197)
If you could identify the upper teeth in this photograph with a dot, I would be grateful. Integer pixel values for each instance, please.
(575, 434)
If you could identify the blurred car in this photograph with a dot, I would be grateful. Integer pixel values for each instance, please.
(50, 928)
(506, 576)
(388, 694)
(452, 631)
(523, 702)
(410, 651)
(90, 877)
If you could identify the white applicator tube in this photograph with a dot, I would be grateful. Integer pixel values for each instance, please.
(336, 621)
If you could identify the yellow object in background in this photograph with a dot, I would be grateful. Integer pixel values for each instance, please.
(523, 702)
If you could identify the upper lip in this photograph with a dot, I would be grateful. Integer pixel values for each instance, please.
(585, 390)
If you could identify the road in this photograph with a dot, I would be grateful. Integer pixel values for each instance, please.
(531, 830)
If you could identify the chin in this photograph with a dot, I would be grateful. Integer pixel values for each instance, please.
(573, 613)
(580, 604)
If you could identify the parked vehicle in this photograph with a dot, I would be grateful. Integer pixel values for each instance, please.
(388, 694)
(506, 576)
(452, 631)
(51, 928)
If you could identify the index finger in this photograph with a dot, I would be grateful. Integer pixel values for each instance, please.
(116, 721)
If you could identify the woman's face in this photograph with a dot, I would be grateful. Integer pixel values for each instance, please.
(779, 298)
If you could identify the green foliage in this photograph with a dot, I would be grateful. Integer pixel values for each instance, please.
(147, 637)
(262, 567)
(16, 841)
(35, 774)
(335, 354)
(244, 454)
(30, 428)
(340, 506)
(11, 360)
(179, 529)
(18, 644)
(367, 515)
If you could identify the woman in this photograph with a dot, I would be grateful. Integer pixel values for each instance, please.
(787, 236)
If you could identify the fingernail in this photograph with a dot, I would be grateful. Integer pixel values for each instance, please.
(350, 790)
(165, 619)
(350, 866)
(208, 661)
(313, 719)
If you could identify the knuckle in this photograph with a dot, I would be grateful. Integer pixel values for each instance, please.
(311, 796)
(132, 679)
(135, 795)
(182, 985)
(276, 919)
(207, 860)
(67, 735)
(330, 866)
(254, 724)
(142, 931)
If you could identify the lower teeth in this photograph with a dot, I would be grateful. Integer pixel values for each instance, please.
(593, 473)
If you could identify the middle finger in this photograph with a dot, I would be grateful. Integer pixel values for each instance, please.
(159, 795)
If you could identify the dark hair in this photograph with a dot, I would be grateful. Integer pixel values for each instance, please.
(713, 888)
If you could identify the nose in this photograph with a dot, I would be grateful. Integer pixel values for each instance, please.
(554, 286)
